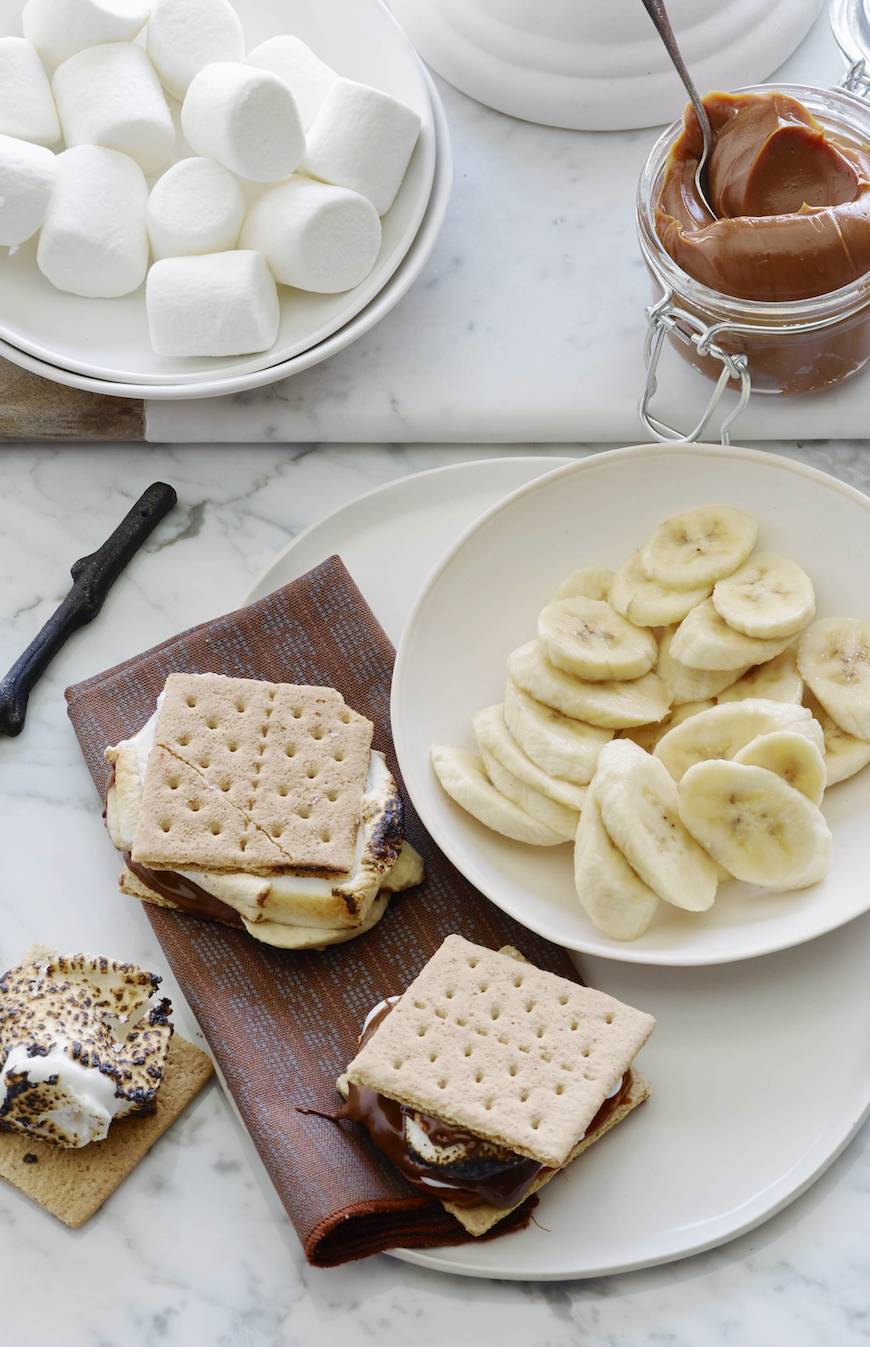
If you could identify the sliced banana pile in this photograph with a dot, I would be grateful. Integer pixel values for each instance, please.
(679, 720)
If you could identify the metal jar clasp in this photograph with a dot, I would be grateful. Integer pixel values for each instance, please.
(665, 318)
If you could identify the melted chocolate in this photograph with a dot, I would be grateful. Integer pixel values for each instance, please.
(184, 893)
(481, 1179)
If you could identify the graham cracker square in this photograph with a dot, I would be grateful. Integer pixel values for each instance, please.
(252, 776)
(512, 1053)
(73, 1184)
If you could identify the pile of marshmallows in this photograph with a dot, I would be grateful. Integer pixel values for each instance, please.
(333, 151)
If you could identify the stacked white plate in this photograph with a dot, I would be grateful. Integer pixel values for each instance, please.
(102, 344)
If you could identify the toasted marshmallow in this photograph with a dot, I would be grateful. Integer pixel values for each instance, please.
(81, 1043)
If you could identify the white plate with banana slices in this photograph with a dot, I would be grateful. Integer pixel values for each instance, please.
(673, 644)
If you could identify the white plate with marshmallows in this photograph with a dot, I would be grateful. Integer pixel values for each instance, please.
(632, 705)
(202, 189)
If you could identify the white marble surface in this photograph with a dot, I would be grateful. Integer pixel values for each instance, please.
(527, 324)
(194, 1249)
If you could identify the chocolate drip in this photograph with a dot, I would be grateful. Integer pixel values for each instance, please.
(184, 893)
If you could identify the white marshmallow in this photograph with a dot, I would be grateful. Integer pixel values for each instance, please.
(310, 79)
(184, 36)
(362, 139)
(246, 119)
(27, 108)
(26, 179)
(196, 207)
(60, 28)
(110, 95)
(314, 236)
(219, 304)
(94, 241)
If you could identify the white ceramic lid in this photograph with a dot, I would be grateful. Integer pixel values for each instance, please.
(599, 65)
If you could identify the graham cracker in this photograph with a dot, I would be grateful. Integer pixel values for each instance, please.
(514, 1054)
(73, 1184)
(252, 776)
(477, 1220)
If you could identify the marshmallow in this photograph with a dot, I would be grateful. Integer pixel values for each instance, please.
(60, 28)
(196, 207)
(219, 304)
(94, 241)
(310, 79)
(82, 1042)
(27, 108)
(110, 95)
(314, 236)
(362, 139)
(26, 180)
(184, 36)
(247, 119)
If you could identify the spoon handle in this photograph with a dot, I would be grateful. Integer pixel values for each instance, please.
(659, 15)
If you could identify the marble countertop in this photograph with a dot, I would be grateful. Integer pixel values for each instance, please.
(527, 323)
(194, 1249)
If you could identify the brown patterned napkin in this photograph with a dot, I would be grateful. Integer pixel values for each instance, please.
(284, 1025)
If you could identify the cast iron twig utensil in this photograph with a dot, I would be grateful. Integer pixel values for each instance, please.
(93, 577)
(659, 15)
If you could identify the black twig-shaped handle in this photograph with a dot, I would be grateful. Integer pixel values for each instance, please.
(93, 577)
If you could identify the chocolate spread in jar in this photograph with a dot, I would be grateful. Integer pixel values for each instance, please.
(487, 1175)
(791, 201)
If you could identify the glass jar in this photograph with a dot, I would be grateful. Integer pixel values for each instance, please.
(766, 347)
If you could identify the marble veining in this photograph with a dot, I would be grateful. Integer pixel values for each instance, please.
(195, 1249)
(527, 323)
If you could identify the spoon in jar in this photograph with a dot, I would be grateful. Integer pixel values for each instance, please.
(659, 15)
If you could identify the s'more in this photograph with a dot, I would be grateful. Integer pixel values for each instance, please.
(91, 1075)
(489, 1076)
(261, 805)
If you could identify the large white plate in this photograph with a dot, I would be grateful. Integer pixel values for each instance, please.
(397, 286)
(483, 601)
(108, 338)
(760, 1071)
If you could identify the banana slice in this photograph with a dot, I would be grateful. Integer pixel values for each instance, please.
(648, 603)
(493, 735)
(593, 582)
(690, 685)
(844, 754)
(462, 776)
(588, 638)
(777, 681)
(699, 547)
(555, 816)
(793, 757)
(611, 705)
(834, 659)
(761, 829)
(559, 746)
(768, 596)
(614, 898)
(722, 731)
(703, 640)
(647, 736)
(640, 810)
